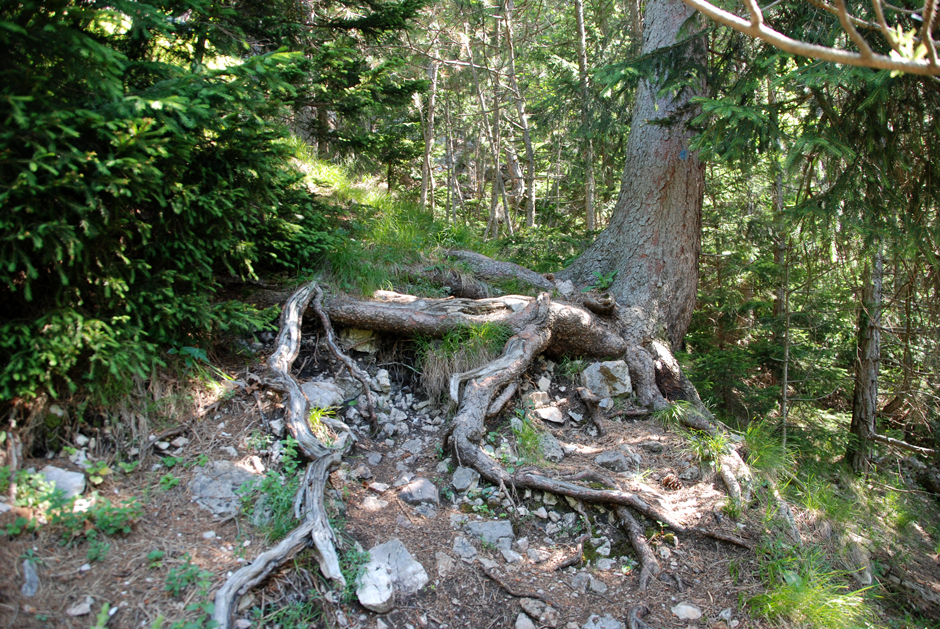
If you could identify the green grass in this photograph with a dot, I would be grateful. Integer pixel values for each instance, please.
(805, 591)
(528, 438)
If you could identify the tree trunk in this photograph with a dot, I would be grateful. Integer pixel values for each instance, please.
(523, 121)
(654, 237)
(427, 173)
(865, 396)
(587, 142)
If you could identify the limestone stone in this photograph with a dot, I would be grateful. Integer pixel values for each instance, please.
(687, 611)
(465, 478)
(464, 548)
(322, 394)
(491, 532)
(551, 449)
(71, 484)
(445, 564)
(420, 490)
(538, 399)
(608, 379)
(408, 576)
(214, 487)
(613, 460)
(376, 592)
(602, 622)
(542, 612)
(524, 622)
(550, 414)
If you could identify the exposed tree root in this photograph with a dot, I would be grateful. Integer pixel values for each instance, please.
(903, 445)
(485, 267)
(315, 529)
(649, 565)
(513, 590)
(308, 504)
(634, 617)
(592, 402)
(572, 559)
(353, 368)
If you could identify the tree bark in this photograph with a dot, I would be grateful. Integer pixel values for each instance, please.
(587, 142)
(865, 395)
(523, 120)
(654, 236)
(427, 173)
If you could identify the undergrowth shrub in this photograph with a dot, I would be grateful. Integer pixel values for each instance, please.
(132, 178)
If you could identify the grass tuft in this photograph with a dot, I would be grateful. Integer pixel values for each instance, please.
(461, 349)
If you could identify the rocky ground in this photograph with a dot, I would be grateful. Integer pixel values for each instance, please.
(446, 550)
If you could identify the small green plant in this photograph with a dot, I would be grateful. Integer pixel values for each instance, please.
(352, 563)
(104, 615)
(672, 415)
(96, 471)
(706, 448)
(97, 548)
(128, 468)
(461, 349)
(572, 368)
(528, 437)
(181, 577)
(155, 559)
(168, 482)
(273, 494)
(602, 281)
(765, 451)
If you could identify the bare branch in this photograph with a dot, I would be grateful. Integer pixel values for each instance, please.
(823, 53)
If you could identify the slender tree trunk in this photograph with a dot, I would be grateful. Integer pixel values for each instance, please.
(865, 396)
(427, 173)
(654, 236)
(523, 120)
(587, 141)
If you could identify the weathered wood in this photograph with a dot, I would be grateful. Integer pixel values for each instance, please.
(485, 267)
(577, 331)
(649, 565)
(353, 368)
(592, 402)
(315, 528)
(903, 445)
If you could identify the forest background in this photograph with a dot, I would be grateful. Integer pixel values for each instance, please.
(154, 155)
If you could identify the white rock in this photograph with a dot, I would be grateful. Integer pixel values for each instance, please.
(376, 592)
(524, 622)
(81, 440)
(371, 503)
(550, 414)
(208, 535)
(81, 609)
(608, 379)
(72, 484)
(323, 394)
(179, 442)
(687, 611)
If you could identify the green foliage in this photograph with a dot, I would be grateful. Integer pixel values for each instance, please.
(186, 574)
(765, 451)
(270, 499)
(803, 590)
(168, 482)
(602, 281)
(134, 175)
(528, 437)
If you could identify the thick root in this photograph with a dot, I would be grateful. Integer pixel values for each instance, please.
(649, 565)
(315, 529)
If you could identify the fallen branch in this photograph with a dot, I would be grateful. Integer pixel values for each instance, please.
(513, 590)
(903, 445)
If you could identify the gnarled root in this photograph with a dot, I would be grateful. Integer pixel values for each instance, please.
(649, 565)
(634, 618)
(315, 529)
(308, 504)
(353, 368)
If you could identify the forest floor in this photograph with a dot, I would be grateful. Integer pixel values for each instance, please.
(175, 542)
